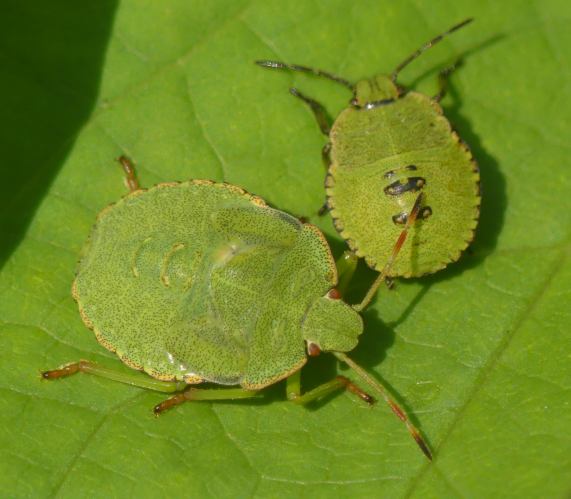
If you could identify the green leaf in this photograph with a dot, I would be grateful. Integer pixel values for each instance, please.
(478, 353)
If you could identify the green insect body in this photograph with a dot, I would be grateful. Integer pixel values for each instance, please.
(201, 282)
(385, 149)
(380, 159)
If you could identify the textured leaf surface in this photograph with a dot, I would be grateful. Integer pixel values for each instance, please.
(480, 353)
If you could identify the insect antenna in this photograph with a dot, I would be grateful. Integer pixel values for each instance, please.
(396, 249)
(305, 69)
(382, 391)
(426, 46)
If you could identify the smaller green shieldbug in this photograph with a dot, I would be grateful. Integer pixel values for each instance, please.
(386, 147)
(201, 282)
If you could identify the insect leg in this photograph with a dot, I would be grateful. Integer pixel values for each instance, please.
(318, 110)
(191, 394)
(325, 156)
(397, 410)
(443, 79)
(346, 266)
(389, 282)
(293, 388)
(396, 249)
(133, 379)
(130, 176)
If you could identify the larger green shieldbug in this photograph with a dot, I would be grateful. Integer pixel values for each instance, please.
(198, 282)
(386, 147)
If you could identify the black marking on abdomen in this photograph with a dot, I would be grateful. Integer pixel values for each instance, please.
(425, 213)
(391, 173)
(411, 184)
(401, 218)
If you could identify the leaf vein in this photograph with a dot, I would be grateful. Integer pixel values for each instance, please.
(493, 360)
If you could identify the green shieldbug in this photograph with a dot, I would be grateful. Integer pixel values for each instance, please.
(386, 147)
(199, 281)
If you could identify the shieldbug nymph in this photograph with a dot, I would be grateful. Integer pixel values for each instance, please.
(384, 149)
(200, 282)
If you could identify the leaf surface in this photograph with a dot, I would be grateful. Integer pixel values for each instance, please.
(478, 353)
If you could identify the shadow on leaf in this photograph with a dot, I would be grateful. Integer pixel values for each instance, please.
(51, 56)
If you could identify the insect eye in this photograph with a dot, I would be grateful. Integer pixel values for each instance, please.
(412, 184)
(313, 349)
